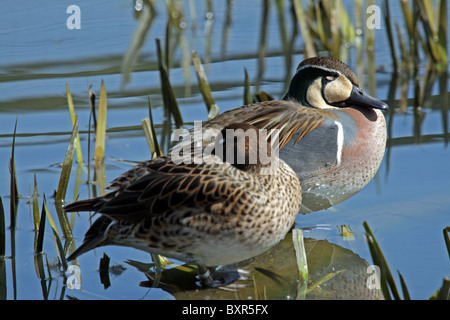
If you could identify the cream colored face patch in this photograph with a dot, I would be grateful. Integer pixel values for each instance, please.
(314, 94)
(338, 90)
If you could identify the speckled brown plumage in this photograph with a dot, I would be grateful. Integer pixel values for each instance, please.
(205, 214)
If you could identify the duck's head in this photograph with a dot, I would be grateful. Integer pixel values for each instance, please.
(326, 83)
(240, 145)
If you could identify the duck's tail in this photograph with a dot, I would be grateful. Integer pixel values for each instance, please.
(95, 237)
(84, 205)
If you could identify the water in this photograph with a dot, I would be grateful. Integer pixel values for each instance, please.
(406, 205)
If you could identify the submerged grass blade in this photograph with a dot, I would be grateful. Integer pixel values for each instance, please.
(67, 165)
(73, 119)
(323, 279)
(100, 132)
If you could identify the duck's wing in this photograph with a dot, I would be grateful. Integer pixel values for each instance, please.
(288, 117)
(163, 186)
(287, 120)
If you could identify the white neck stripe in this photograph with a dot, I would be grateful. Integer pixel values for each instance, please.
(340, 142)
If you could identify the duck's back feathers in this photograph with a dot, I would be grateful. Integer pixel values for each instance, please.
(162, 186)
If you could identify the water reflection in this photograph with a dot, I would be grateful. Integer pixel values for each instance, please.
(421, 102)
(334, 273)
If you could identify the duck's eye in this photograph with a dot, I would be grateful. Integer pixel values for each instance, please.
(327, 79)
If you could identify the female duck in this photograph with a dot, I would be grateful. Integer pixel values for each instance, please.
(207, 214)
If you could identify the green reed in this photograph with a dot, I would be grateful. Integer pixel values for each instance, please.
(38, 235)
(387, 282)
(170, 103)
(67, 164)
(302, 263)
(39, 231)
(326, 25)
(58, 243)
(203, 84)
(100, 132)
(14, 193)
(426, 28)
(73, 118)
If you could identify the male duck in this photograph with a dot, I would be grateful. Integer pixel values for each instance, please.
(332, 133)
(208, 214)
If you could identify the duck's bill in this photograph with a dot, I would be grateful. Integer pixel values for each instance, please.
(359, 97)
